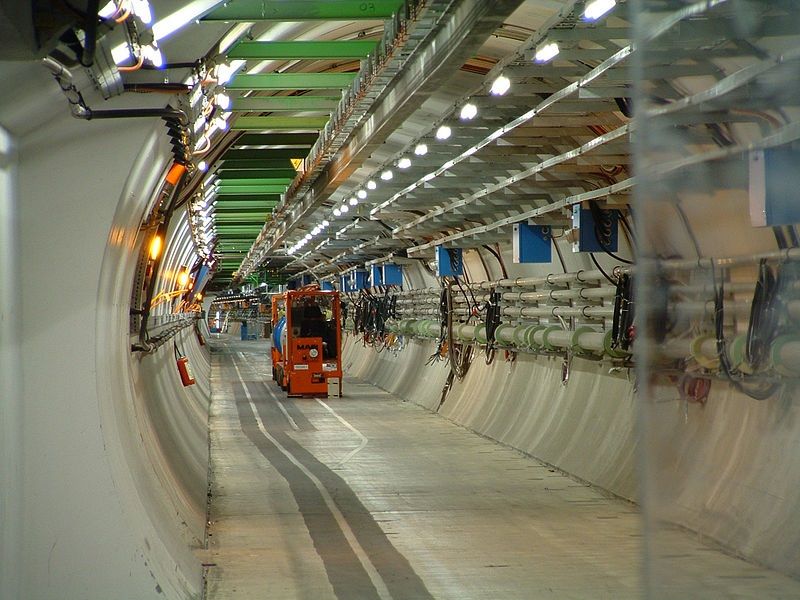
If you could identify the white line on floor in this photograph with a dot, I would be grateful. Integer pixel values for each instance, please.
(287, 415)
(364, 439)
(379, 584)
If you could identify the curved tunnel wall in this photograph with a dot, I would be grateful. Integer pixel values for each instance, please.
(741, 474)
(115, 450)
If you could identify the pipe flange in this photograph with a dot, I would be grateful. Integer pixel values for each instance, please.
(609, 349)
(695, 349)
(778, 365)
(530, 336)
(575, 346)
(546, 334)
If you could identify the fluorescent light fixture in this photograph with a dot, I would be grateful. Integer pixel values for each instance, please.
(221, 123)
(421, 150)
(361, 194)
(223, 100)
(387, 175)
(108, 10)
(469, 111)
(141, 8)
(353, 201)
(443, 132)
(153, 54)
(203, 166)
(120, 54)
(546, 52)
(500, 86)
(344, 208)
(183, 17)
(315, 231)
(199, 123)
(224, 72)
(307, 236)
(325, 223)
(598, 8)
(336, 212)
(371, 185)
(404, 163)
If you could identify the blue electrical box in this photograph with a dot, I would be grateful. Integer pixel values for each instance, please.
(307, 280)
(327, 286)
(358, 281)
(292, 284)
(375, 276)
(532, 243)
(449, 262)
(591, 234)
(775, 186)
(344, 284)
(392, 274)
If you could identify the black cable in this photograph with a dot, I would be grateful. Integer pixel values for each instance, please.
(90, 33)
(599, 268)
(763, 324)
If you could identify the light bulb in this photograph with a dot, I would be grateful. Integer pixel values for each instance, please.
(203, 166)
(224, 73)
(501, 85)
(387, 175)
(221, 123)
(468, 111)
(308, 236)
(404, 163)
(598, 8)
(443, 132)
(336, 212)
(546, 52)
(353, 201)
(421, 150)
(371, 185)
(223, 101)
(344, 208)
(141, 8)
(361, 194)
(325, 223)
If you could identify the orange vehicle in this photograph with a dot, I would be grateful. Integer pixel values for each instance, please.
(306, 341)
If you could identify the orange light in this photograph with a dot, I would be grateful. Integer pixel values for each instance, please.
(155, 247)
(183, 277)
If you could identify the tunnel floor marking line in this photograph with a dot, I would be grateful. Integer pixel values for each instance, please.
(374, 576)
(287, 415)
(364, 439)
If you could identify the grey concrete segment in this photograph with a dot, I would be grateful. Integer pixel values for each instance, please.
(372, 497)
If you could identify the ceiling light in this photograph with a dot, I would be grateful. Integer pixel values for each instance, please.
(155, 247)
(387, 175)
(421, 150)
(221, 123)
(224, 72)
(308, 236)
(336, 212)
(315, 231)
(500, 86)
(344, 208)
(371, 185)
(546, 52)
(203, 166)
(404, 163)
(107, 11)
(153, 55)
(141, 8)
(223, 101)
(598, 8)
(325, 223)
(361, 194)
(182, 17)
(468, 111)
(353, 201)
(443, 132)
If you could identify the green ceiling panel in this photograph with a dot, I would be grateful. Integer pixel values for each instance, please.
(291, 81)
(256, 181)
(276, 139)
(268, 154)
(299, 50)
(226, 174)
(304, 10)
(248, 200)
(285, 103)
(225, 190)
(278, 122)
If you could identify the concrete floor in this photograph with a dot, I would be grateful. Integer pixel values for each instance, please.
(369, 497)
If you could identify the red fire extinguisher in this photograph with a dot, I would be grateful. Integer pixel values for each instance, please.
(184, 370)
